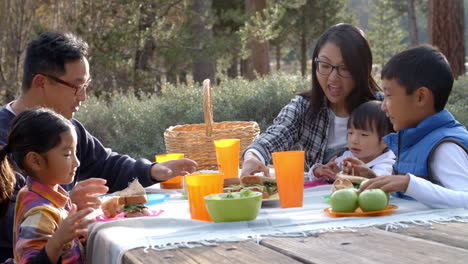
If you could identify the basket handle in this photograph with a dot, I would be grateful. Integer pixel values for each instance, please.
(207, 107)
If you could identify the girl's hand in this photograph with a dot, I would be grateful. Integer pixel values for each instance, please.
(74, 226)
(325, 172)
(252, 164)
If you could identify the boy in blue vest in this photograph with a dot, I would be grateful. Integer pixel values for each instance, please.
(430, 145)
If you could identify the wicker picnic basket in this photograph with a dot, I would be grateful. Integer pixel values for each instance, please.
(196, 141)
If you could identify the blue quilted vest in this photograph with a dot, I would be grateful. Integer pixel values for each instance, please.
(413, 147)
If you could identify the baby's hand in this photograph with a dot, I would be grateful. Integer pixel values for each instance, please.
(359, 170)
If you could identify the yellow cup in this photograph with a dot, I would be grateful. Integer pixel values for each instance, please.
(199, 186)
(289, 171)
(227, 155)
(176, 182)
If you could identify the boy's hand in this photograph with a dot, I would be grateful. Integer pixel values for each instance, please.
(328, 171)
(389, 183)
(169, 169)
(83, 193)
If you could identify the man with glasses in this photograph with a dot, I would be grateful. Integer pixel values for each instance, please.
(56, 75)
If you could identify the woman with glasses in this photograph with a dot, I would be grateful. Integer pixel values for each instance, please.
(316, 119)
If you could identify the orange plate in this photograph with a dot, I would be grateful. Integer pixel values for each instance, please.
(388, 210)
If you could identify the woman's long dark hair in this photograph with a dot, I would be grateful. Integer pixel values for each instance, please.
(357, 57)
(35, 130)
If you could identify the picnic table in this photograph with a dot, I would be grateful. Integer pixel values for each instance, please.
(438, 243)
(414, 233)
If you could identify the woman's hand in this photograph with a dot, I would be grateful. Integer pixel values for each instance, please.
(252, 164)
(74, 226)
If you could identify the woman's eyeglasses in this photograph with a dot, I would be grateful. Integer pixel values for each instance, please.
(326, 68)
(78, 88)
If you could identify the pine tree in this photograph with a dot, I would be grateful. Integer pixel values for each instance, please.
(385, 34)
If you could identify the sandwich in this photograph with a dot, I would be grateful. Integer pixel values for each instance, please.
(130, 201)
(344, 181)
(266, 185)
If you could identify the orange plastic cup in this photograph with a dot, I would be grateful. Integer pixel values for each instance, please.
(227, 155)
(176, 182)
(289, 171)
(199, 186)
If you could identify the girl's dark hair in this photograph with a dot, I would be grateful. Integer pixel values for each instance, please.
(370, 117)
(357, 57)
(35, 130)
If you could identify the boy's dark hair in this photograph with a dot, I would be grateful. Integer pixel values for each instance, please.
(370, 117)
(48, 54)
(422, 66)
(357, 57)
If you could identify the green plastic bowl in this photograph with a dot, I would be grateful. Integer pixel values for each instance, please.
(235, 209)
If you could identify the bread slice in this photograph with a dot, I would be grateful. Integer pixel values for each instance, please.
(133, 199)
(134, 188)
(354, 179)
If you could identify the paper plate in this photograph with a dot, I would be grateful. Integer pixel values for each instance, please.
(155, 198)
(388, 210)
(103, 218)
(274, 197)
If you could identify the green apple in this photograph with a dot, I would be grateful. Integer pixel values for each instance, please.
(344, 200)
(373, 200)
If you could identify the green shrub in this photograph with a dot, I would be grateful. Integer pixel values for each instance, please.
(457, 103)
(136, 126)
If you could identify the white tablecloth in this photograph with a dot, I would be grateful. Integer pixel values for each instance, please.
(108, 241)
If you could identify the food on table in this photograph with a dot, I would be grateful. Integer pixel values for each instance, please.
(340, 184)
(373, 200)
(131, 201)
(344, 200)
(235, 206)
(266, 185)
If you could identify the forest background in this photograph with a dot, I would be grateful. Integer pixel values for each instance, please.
(148, 57)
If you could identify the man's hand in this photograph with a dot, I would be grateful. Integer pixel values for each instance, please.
(252, 164)
(83, 193)
(166, 170)
(389, 183)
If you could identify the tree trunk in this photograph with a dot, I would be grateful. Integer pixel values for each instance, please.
(446, 31)
(247, 70)
(303, 54)
(413, 27)
(260, 57)
(233, 71)
(203, 66)
(145, 54)
(278, 57)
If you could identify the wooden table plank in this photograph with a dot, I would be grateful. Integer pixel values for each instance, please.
(235, 252)
(369, 245)
(453, 234)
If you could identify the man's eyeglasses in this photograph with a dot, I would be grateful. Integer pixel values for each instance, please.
(326, 68)
(78, 88)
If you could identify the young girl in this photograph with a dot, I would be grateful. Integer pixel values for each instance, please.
(366, 127)
(47, 226)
